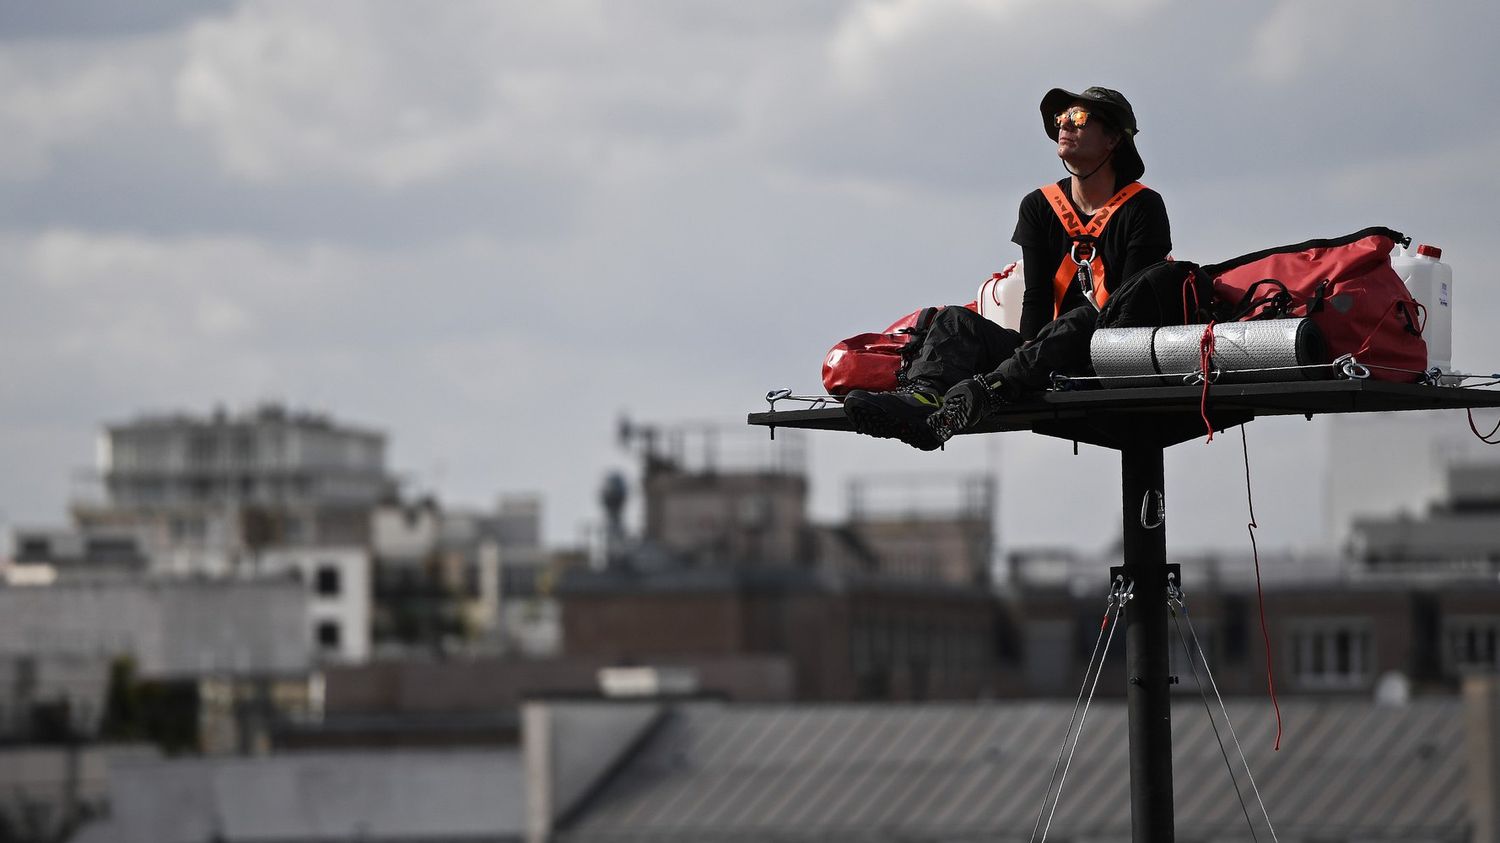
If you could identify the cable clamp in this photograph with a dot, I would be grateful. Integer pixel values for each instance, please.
(1197, 378)
(1350, 368)
(1174, 592)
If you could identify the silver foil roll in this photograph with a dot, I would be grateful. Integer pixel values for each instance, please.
(1121, 352)
(1257, 351)
(1177, 351)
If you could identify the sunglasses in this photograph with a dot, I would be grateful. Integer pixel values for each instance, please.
(1077, 115)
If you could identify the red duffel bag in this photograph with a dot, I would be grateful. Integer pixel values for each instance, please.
(875, 361)
(1346, 286)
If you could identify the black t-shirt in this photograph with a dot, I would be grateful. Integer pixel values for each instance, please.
(1138, 236)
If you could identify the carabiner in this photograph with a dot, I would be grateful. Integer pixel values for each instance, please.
(1147, 521)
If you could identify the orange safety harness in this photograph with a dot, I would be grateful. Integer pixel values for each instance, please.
(1082, 262)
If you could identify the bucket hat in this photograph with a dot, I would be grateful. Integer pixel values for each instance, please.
(1113, 107)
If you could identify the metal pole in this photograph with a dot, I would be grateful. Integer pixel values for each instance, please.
(1146, 656)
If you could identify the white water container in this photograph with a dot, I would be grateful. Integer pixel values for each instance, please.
(1000, 296)
(1430, 282)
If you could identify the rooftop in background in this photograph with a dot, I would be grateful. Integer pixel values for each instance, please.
(903, 497)
(1459, 532)
(313, 797)
(1087, 573)
(265, 457)
(1347, 770)
(705, 508)
(263, 414)
(713, 447)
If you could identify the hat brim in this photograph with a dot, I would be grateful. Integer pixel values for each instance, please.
(1128, 163)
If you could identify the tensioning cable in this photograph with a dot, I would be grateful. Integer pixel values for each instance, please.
(1178, 607)
(1120, 593)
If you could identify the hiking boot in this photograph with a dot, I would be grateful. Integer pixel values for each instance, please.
(965, 405)
(898, 414)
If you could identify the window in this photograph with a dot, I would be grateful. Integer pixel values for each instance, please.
(328, 635)
(1471, 642)
(34, 550)
(327, 581)
(189, 529)
(1333, 655)
(201, 450)
(244, 448)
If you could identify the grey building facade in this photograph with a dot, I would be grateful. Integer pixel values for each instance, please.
(209, 492)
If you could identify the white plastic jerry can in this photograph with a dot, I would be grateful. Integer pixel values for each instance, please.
(1430, 282)
(1000, 296)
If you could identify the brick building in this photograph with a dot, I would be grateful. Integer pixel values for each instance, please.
(892, 603)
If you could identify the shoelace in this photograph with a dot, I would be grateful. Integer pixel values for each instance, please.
(949, 419)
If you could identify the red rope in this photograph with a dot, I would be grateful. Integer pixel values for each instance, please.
(1259, 591)
(1205, 364)
(1486, 438)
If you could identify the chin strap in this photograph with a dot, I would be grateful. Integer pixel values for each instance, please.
(1106, 160)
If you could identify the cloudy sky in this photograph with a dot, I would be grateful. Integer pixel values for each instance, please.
(491, 228)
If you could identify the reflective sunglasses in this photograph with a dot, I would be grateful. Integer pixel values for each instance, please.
(1077, 115)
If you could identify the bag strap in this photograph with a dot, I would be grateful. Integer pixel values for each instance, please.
(913, 347)
(1276, 304)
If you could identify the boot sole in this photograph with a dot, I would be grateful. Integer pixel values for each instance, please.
(869, 419)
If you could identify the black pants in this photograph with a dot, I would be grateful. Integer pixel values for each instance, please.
(961, 344)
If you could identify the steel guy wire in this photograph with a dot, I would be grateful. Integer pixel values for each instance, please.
(1174, 599)
(1120, 593)
(1109, 606)
(1198, 646)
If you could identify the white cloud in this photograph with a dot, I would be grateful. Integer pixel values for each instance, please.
(1300, 39)
(141, 312)
(875, 32)
(47, 104)
(284, 90)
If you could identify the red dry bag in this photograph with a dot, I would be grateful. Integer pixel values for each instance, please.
(875, 361)
(1348, 288)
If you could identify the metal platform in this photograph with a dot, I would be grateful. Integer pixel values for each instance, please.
(1140, 423)
(1163, 416)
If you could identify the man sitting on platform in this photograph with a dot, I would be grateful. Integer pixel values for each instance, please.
(1098, 226)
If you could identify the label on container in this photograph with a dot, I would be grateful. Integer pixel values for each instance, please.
(1443, 294)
